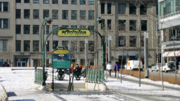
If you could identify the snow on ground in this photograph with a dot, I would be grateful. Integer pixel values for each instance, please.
(22, 83)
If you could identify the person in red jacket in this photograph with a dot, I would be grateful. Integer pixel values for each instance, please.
(72, 67)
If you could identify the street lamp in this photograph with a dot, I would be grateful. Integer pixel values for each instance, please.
(103, 43)
(43, 43)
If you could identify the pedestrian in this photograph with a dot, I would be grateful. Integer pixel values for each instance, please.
(109, 68)
(76, 69)
(116, 69)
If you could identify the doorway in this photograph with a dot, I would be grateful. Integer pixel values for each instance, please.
(21, 64)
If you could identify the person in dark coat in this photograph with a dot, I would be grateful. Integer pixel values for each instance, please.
(116, 69)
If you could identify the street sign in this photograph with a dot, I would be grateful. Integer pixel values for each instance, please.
(60, 52)
(74, 32)
(61, 59)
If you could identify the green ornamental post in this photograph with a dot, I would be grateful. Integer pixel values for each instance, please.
(103, 43)
(43, 43)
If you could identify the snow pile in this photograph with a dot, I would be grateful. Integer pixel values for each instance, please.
(17, 79)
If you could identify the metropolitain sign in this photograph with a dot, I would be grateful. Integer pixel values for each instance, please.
(73, 32)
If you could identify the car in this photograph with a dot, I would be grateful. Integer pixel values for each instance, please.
(166, 66)
(133, 64)
(155, 67)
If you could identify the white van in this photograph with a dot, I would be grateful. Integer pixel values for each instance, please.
(133, 64)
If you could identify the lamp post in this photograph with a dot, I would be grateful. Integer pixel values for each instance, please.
(103, 43)
(43, 43)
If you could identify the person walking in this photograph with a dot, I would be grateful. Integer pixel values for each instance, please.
(116, 69)
(109, 68)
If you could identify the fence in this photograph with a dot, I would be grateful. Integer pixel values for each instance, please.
(94, 75)
(38, 75)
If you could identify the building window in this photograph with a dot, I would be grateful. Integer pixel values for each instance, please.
(108, 8)
(46, 1)
(47, 29)
(82, 2)
(18, 13)
(26, 13)
(133, 41)
(3, 23)
(18, 45)
(82, 61)
(132, 9)
(143, 25)
(73, 1)
(91, 46)
(65, 44)
(122, 41)
(35, 29)
(122, 25)
(91, 14)
(73, 46)
(82, 46)
(4, 6)
(26, 29)
(18, 1)
(73, 26)
(143, 9)
(26, 45)
(54, 1)
(64, 14)
(82, 26)
(45, 13)
(64, 1)
(102, 8)
(55, 44)
(3, 45)
(54, 27)
(91, 2)
(18, 29)
(132, 25)
(54, 14)
(82, 14)
(108, 24)
(91, 27)
(47, 45)
(65, 26)
(36, 14)
(35, 46)
(122, 8)
(26, 1)
(142, 41)
(35, 1)
(74, 14)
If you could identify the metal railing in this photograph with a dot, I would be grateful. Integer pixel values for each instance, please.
(94, 76)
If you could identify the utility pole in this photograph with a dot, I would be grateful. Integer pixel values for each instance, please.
(146, 54)
(86, 56)
(157, 49)
(139, 51)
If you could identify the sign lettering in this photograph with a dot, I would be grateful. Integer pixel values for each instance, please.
(73, 32)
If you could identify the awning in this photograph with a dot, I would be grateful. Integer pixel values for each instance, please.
(121, 54)
(171, 53)
(133, 54)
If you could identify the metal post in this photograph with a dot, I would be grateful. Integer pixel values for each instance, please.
(109, 48)
(162, 38)
(146, 54)
(43, 55)
(139, 51)
(86, 56)
(103, 50)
